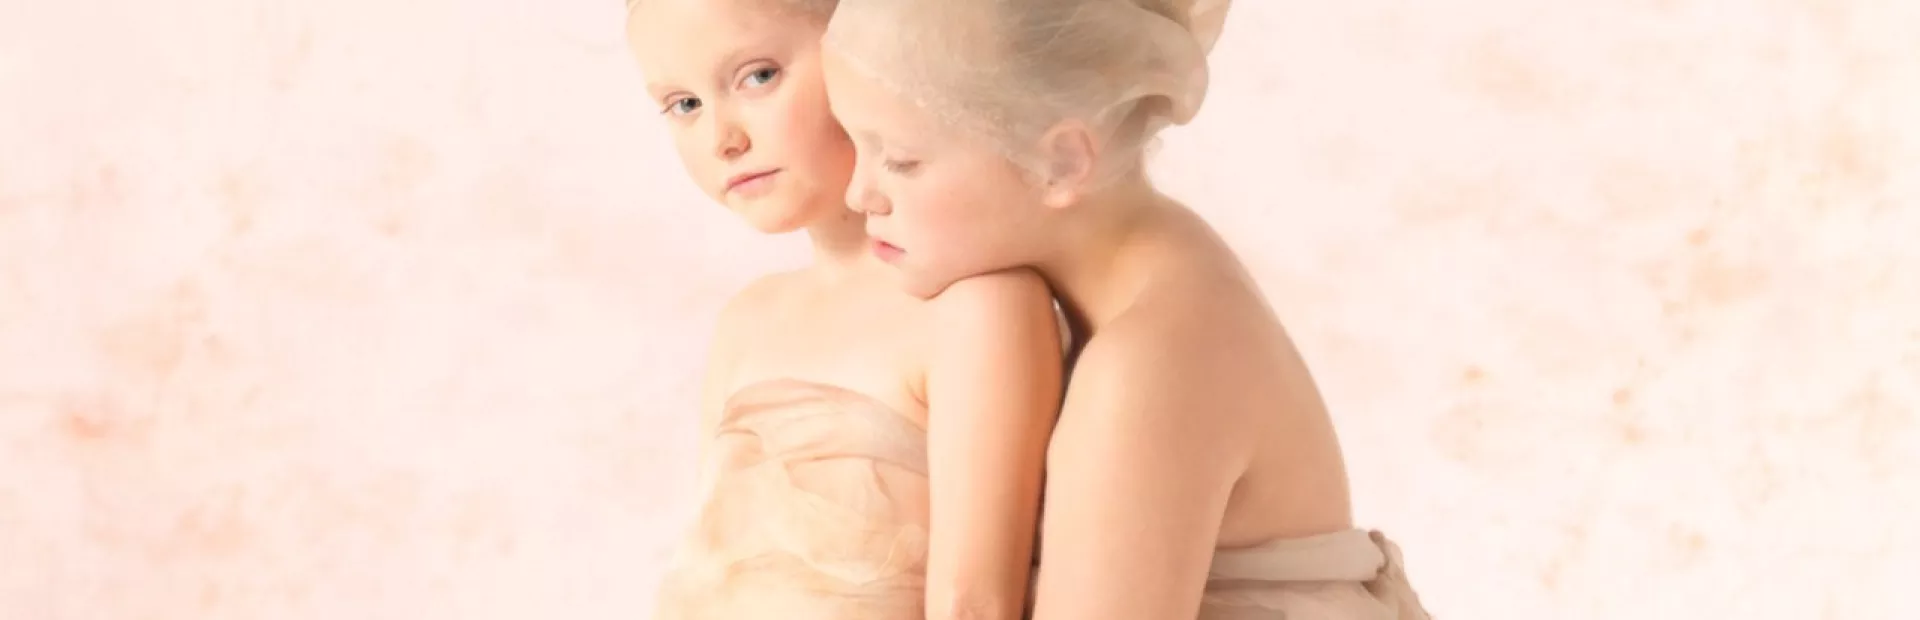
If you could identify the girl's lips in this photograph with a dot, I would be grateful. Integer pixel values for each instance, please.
(749, 181)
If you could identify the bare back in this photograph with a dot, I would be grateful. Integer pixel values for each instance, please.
(1244, 383)
(1192, 442)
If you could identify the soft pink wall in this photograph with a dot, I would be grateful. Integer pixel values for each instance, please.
(362, 309)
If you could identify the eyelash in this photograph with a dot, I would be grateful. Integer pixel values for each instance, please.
(773, 71)
(674, 104)
(899, 167)
(674, 107)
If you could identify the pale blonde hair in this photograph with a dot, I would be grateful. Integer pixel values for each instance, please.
(816, 8)
(1011, 70)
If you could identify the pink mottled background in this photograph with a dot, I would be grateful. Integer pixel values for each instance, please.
(366, 309)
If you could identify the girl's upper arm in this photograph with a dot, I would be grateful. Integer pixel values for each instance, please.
(1137, 484)
(993, 391)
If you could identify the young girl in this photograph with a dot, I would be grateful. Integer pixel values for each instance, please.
(866, 454)
(1194, 469)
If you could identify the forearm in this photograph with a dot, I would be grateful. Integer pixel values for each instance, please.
(986, 471)
(980, 562)
(995, 597)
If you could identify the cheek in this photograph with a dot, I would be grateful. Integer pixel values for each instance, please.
(696, 157)
(941, 209)
(809, 134)
(979, 209)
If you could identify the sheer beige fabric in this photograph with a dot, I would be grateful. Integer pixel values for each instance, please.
(818, 8)
(1351, 575)
(815, 510)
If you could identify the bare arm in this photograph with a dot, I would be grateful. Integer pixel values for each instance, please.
(1137, 484)
(993, 392)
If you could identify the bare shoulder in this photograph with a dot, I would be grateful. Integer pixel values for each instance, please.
(1011, 293)
(1159, 380)
(1004, 316)
(753, 306)
(1146, 358)
(986, 326)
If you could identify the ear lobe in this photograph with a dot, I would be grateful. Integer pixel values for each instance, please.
(1069, 153)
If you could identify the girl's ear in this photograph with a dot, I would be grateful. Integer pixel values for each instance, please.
(1068, 154)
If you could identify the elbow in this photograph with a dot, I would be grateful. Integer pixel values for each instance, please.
(976, 606)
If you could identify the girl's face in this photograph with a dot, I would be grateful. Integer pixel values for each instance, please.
(941, 204)
(739, 84)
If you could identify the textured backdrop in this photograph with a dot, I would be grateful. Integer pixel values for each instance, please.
(366, 309)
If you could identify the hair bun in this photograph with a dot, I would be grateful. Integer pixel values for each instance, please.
(1205, 19)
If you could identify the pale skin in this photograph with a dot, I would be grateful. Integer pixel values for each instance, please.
(1190, 423)
(979, 366)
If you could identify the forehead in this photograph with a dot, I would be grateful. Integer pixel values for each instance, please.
(873, 111)
(854, 91)
(673, 38)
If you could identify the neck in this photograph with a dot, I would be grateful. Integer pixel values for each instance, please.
(839, 242)
(1095, 264)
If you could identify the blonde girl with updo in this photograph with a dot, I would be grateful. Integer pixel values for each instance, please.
(1194, 470)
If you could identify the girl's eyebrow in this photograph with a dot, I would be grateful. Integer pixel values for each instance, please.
(722, 73)
(862, 135)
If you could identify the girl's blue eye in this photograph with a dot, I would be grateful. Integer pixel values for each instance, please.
(682, 106)
(763, 76)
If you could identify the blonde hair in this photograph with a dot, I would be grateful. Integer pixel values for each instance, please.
(817, 8)
(1014, 69)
